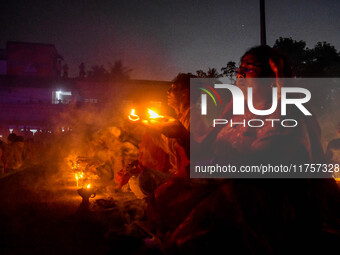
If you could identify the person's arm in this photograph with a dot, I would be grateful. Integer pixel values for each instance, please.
(177, 131)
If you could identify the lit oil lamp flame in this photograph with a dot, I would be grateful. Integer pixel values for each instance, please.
(88, 186)
(133, 116)
(154, 115)
(77, 179)
(78, 176)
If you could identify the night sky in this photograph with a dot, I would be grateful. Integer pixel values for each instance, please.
(160, 38)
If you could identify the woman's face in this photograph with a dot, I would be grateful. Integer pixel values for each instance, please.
(247, 76)
(250, 67)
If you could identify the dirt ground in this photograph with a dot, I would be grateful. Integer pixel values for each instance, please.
(38, 216)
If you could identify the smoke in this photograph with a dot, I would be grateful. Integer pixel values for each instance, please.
(96, 140)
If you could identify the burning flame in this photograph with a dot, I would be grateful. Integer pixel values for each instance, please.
(78, 176)
(88, 186)
(154, 115)
(133, 116)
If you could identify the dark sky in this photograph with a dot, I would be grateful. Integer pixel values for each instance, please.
(160, 38)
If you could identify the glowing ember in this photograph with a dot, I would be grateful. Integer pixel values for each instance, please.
(154, 115)
(133, 116)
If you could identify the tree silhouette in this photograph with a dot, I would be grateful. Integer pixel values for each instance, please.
(98, 73)
(326, 61)
(321, 61)
(211, 73)
(296, 52)
(116, 72)
(229, 71)
(119, 72)
(201, 74)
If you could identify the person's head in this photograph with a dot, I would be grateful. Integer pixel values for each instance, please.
(264, 62)
(179, 92)
(261, 62)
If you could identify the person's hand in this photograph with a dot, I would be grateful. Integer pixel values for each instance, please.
(174, 129)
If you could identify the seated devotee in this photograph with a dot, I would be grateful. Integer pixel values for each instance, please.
(13, 152)
(256, 216)
(164, 149)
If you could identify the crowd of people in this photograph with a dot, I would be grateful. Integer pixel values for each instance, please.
(22, 148)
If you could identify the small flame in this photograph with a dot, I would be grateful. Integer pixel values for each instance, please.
(79, 175)
(133, 116)
(88, 186)
(154, 115)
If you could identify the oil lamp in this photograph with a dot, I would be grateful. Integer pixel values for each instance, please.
(133, 116)
(154, 115)
(86, 193)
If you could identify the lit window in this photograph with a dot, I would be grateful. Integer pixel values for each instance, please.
(63, 97)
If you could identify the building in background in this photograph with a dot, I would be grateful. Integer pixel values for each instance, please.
(34, 92)
(33, 59)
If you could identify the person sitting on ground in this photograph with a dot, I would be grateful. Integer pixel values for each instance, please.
(13, 153)
(164, 149)
(255, 216)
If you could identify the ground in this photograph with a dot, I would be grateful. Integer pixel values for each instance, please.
(39, 214)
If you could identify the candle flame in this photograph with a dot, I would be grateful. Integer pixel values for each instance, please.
(133, 116)
(154, 115)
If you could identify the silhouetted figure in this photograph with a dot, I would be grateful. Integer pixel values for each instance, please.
(82, 70)
(65, 71)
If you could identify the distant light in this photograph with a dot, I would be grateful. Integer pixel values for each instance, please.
(60, 93)
(11, 130)
(34, 131)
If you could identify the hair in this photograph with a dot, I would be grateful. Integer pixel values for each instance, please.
(264, 53)
(182, 80)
